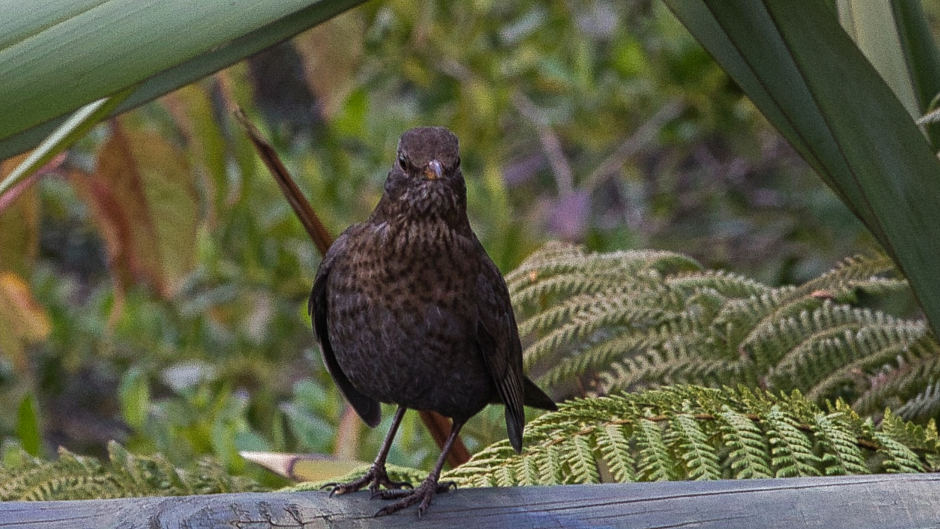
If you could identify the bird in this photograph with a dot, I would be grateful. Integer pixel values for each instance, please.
(409, 309)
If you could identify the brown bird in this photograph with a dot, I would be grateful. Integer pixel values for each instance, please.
(409, 309)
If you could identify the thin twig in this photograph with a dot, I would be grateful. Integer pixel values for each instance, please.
(551, 145)
(639, 140)
(301, 207)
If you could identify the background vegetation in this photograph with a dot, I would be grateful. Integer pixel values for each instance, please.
(153, 280)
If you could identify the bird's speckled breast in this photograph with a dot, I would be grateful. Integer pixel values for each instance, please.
(408, 305)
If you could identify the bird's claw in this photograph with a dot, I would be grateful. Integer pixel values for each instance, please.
(381, 479)
(375, 478)
(337, 489)
(389, 486)
(392, 494)
(423, 494)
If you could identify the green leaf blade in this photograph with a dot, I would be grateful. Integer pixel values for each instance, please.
(27, 426)
(80, 52)
(809, 78)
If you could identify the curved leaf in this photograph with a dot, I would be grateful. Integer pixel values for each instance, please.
(812, 82)
(57, 56)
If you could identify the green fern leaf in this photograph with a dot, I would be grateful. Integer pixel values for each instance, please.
(749, 455)
(691, 432)
(897, 457)
(614, 447)
(74, 477)
(581, 461)
(841, 454)
(655, 461)
(596, 323)
(791, 453)
(692, 445)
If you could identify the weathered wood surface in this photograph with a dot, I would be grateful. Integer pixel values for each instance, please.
(882, 501)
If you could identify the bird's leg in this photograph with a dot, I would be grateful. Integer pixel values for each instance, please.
(376, 476)
(425, 492)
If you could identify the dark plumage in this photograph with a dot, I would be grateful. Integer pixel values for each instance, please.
(409, 309)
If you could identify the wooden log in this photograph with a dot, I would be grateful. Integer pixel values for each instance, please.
(882, 501)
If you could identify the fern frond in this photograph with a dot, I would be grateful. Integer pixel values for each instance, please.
(749, 455)
(897, 457)
(568, 273)
(842, 454)
(894, 385)
(743, 320)
(791, 453)
(527, 471)
(581, 462)
(600, 317)
(74, 477)
(656, 463)
(834, 341)
(926, 403)
(694, 448)
(851, 273)
(600, 323)
(723, 283)
(557, 258)
(690, 432)
(614, 447)
(675, 362)
(550, 466)
(914, 436)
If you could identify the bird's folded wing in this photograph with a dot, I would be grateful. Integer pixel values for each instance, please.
(366, 407)
(498, 341)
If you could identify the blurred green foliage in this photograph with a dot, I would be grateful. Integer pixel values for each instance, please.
(597, 121)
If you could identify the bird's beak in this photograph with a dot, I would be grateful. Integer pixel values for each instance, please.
(434, 170)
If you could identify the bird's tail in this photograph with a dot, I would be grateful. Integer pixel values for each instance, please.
(535, 397)
(532, 396)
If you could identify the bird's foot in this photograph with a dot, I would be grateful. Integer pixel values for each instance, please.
(423, 494)
(375, 478)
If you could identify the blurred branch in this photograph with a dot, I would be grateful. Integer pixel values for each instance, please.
(551, 145)
(639, 140)
(437, 425)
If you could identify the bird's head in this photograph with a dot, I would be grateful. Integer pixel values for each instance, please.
(425, 181)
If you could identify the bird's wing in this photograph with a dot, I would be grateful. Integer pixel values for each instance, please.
(317, 307)
(498, 340)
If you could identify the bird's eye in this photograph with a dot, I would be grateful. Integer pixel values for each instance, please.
(402, 162)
